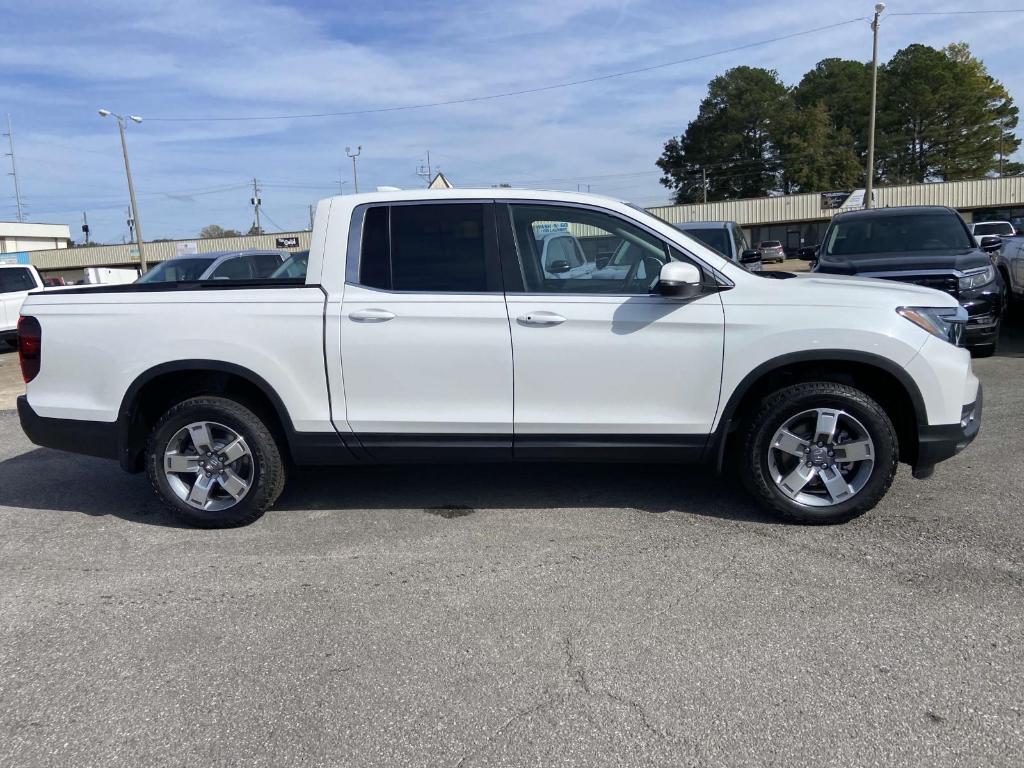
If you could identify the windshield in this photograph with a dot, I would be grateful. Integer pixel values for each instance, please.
(295, 267)
(176, 271)
(715, 239)
(911, 233)
(994, 228)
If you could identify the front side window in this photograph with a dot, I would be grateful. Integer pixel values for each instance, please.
(264, 264)
(238, 268)
(430, 248)
(628, 260)
(14, 280)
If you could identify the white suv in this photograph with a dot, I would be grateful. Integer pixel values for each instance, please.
(429, 328)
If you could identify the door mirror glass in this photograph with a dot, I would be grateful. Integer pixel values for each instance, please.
(750, 256)
(807, 253)
(558, 267)
(679, 279)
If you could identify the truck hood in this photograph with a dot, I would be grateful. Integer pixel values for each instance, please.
(960, 260)
(818, 289)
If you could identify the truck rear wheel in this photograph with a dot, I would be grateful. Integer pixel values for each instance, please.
(214, 463)
(819, 453)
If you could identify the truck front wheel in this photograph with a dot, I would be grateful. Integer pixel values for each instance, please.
(819, 452)
(214, 463)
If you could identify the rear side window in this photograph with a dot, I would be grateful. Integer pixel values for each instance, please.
(425, 248)
(13, 280)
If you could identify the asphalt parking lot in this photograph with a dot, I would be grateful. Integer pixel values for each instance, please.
(532, 615)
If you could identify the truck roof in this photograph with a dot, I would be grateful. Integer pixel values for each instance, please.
(899, 210)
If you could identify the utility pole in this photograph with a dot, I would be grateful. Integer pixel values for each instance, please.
(704, 183)
(85, 227)
(355, 173)
(311, 211)
(870, 183)
(131, 225)
(256, 202)
(425, 172)
(14, 167)
(341, 181)
(579, 187)
(134, 216)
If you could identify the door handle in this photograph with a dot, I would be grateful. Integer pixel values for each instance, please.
(541, 319)
(371, 316)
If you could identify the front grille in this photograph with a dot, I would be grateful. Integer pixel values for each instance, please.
(945, 283)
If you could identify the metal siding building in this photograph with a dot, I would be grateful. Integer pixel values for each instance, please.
(962, 195)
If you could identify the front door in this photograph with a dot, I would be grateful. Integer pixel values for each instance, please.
(604, 368)
(425, 342)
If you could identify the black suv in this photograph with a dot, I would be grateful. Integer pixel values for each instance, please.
(925, 245)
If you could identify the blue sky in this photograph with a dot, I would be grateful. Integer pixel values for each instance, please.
(61, 61)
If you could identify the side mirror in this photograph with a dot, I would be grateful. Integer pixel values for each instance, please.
(807, 253)
(558, 267)
(680, 280)
(750, 256)
(990, 243)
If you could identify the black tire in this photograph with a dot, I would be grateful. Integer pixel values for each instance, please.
(780, 406)
(268, 474)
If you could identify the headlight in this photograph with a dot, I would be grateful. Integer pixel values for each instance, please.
(976, 278)
(945, 322)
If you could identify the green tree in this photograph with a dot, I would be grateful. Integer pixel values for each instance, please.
(215, 230)
(815, 155)
(942, 117)
(730, 139)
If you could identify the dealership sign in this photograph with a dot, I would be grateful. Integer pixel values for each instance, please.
(832, 200)
(286, 242)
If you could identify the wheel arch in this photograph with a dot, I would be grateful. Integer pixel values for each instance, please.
(172, 382)
(872, 373)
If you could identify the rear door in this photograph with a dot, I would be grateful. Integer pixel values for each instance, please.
(425, 342)
(602, 364)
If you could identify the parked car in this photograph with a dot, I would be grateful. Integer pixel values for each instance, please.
(727, 238)
(1009, 260)
(216, 265)
(16, 280)
(1000, 228)
(428, 329)
(771, 250)
(562, 256)
(929, 246)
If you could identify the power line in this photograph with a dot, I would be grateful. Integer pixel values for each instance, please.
(519, 92)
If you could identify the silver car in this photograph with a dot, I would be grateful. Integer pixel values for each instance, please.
(216, 265)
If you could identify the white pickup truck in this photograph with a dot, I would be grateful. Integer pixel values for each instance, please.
(427, 329)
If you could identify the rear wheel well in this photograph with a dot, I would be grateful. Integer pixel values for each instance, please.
(160, 393)
(882, 386)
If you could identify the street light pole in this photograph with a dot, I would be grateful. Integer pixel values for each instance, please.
(355, 174)
(131, 186)
(870, 183)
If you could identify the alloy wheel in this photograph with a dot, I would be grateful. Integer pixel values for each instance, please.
(209, 466)
(821, 457)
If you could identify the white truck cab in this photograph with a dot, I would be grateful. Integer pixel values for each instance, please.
(428, 327)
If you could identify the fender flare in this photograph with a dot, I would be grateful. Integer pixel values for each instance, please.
(716, 445)
(126, 452)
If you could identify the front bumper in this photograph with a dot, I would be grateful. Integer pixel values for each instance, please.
(938, 443)
(92, 438)
(984, 309)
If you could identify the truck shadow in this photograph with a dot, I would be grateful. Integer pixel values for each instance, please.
(1011, 338)
(52, 481)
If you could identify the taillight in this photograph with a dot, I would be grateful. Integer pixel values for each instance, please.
(30, 347)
